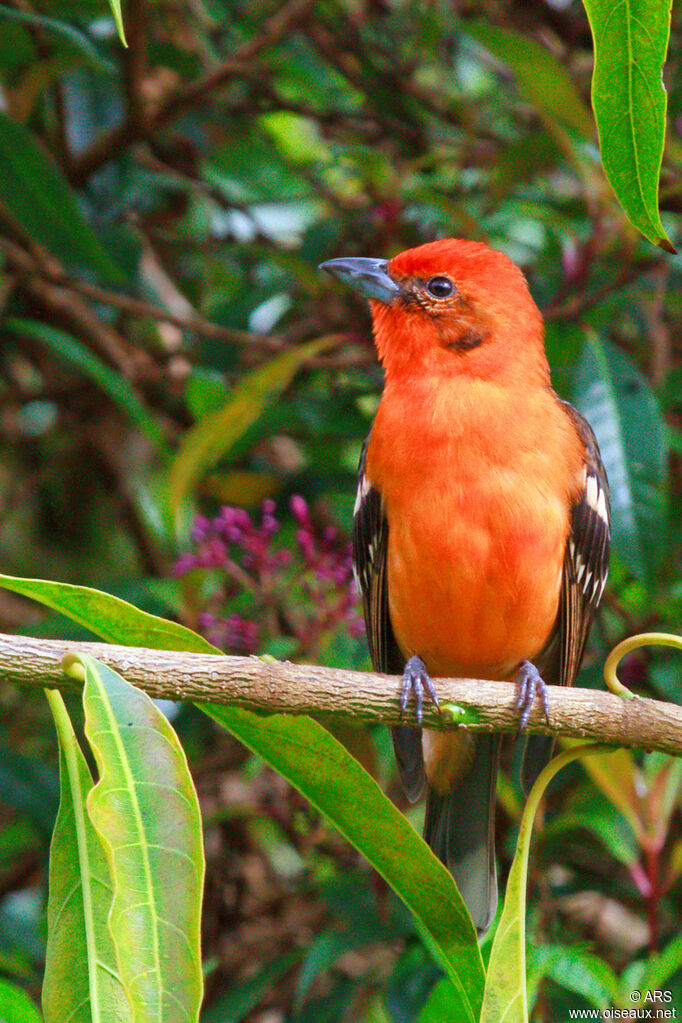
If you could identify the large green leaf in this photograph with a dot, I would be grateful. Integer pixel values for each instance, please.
(629, 100)
(113, 619)
(325, 772)
(543, 80)
(321, 768)
(620, 406)
(576, 970)
(505, 985)
(82, 982)
(112, 383)
(16, 1006)
(37, 195)
(219, 430)
(439, 1005)
(145, 810)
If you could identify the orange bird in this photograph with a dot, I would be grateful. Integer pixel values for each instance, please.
(481, 533)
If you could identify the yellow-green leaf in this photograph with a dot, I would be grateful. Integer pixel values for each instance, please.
(305, 753)
(214, 434)
(118, 18)
(145, 810)
(543, 80)
(113, 619)
(81, 982)
(505, 985)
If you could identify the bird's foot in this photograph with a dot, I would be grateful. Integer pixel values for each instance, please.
(530, 684)
(415, 681)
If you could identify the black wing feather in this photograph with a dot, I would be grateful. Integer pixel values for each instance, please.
(586, 562)
(370, 553)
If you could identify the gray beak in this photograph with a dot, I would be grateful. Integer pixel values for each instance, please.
(369, 277)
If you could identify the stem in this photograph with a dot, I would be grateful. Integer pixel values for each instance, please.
(652, 865)
(633, 643)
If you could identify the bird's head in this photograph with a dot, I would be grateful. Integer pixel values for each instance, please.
(451, 307)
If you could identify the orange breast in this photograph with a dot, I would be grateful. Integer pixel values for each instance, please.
(477, 494)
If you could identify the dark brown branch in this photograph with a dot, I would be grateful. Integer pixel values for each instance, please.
(274, 29)
(51, 276)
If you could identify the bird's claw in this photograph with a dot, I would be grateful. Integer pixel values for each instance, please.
(415, 681)
(530, 684)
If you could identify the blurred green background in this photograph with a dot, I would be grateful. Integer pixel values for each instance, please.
(163, 209)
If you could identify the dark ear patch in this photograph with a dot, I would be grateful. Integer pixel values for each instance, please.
(464, 342)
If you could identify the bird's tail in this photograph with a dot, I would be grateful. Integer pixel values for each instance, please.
(538, 752)
(460, 829)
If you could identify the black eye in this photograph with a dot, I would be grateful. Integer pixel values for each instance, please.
(440, 287)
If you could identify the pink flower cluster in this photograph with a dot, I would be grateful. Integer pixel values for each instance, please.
(330, 564)
(232, 532)
(245, 556)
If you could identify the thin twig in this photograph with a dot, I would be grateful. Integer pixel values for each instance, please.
(273, 29)
(55, 276)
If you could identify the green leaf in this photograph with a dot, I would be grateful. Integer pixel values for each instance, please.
(505, 985)
(311, 759)
(629, 100)
(543, 80)
(596, 814)
(30, 787)
(118, 18)
(206, 391)
(218, 430)
(322, 953)
(576, 970)
(237, 1003)
(78, 40)
(115, 620)
(315, 762)
(440, 1004)
(112, 383)
(16, 1006)
(520, 161)
(620, 406)
(145, 810)
(661, 966)
(37, 195)
(617, 777)
(82, 983)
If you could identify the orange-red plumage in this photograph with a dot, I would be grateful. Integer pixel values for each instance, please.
(482, 519)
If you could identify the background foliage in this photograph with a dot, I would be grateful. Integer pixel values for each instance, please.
(168, 347)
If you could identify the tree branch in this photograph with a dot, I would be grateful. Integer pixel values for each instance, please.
(263, 685)
(282, 21)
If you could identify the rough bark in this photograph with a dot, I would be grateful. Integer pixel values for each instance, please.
(280, 687)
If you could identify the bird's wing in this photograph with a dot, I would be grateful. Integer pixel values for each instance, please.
(586, 561)
(370, 554)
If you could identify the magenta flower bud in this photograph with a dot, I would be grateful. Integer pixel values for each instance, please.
(299, 509)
